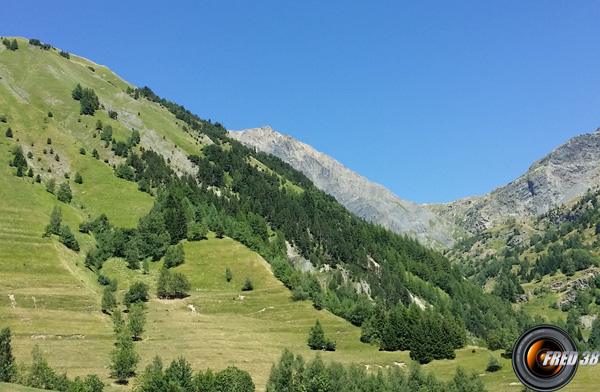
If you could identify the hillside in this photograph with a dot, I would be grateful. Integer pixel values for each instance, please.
(51, 295)
(565, 173)
(139, 178)
(367, 199)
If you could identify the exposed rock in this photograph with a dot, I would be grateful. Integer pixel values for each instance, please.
(368, 200)
(567, 172)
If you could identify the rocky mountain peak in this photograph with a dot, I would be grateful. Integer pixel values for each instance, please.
(368, 200)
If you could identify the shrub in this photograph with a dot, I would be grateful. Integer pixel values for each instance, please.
(9, 132)
(228, 275)
(138, 292)
(248, 286)
(493, 364)
(64, 193)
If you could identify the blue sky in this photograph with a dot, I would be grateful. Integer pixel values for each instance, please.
(436, 100)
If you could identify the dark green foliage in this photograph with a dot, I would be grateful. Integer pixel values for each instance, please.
(78, 179)
(228, 275)
(82, 151)
(109, 301)
(38, 179)
(55, 221)
(30, 173)
(50, 115)
(174, 256)
(171, 284)
(9, 132)
(10, 45)
(291, 374)
(112, 114)
(175, 219)
(65, 54)
(125, 171)
(64, 193)
(49, 141)
(120, 148)
(137, 321)
(19, 161)
(67, 238)
(77, 92)
(89, 102)
(107, 133)
(154, 239)
(29, 155)
(103, 280)
(138, 292)
(3, 118)
(51, 185)
(95, 154)
(8, 367)
(179, 377)
(248, 286)
(493, 364)
(317, 340)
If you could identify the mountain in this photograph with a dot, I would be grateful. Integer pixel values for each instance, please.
(104, 184)
(369, 200)
(565, 173)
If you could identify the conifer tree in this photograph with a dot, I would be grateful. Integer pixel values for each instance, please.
(8, 368)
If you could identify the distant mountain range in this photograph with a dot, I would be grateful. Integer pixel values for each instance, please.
(568, 171)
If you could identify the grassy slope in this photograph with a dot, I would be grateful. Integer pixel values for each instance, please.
(65, 320)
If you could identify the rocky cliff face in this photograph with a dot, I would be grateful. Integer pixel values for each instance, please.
(368, 200)
(568, 171)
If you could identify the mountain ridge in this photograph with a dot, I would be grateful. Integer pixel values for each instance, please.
(367, 199)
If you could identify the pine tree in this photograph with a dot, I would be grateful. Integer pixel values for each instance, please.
(317, 340)
(8, 368)
(228, 275)
(67, 238)
(78, 178)
(55, 220)
(175, 219)
(9, 132)
(137, 321)
(108, 301)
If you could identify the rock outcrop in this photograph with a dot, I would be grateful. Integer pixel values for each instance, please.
(368, 200)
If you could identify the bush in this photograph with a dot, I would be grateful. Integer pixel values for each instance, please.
(9, 132)
(103, 280)
(228, 275)
(174, 256)
(138, 292)
(50, 115)
(493, 364)
(78, 178)
(65, 54)
(82, 151)
(172, 284)
(112, 114)
(248, 286)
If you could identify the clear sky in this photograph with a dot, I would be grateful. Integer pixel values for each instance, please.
(436, 100)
